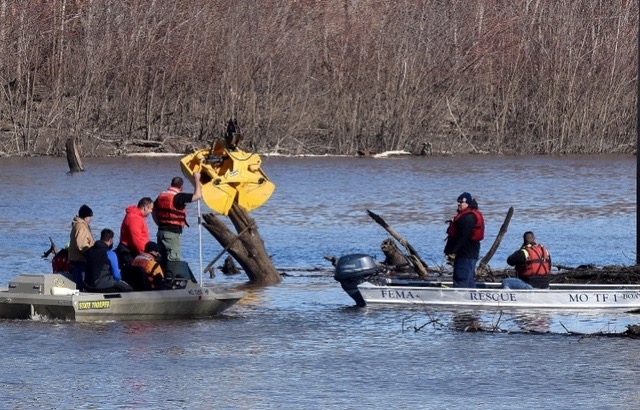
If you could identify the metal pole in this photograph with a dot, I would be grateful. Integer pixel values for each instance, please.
(200, 240)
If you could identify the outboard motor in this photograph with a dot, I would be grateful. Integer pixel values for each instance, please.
(352, 270)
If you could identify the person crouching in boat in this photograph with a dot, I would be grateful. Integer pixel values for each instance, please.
(464, 234)
(147, 261)
(533, 265)
(102, 272)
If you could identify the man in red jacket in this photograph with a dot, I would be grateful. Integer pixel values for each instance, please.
(134, 232)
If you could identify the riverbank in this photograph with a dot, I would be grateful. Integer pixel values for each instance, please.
(176, 146)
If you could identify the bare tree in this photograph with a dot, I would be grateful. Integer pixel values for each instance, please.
(330, 76)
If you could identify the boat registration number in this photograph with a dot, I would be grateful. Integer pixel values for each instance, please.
(94, 304)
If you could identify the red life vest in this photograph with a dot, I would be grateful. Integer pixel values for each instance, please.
(166, 213)
(538, 261)
(60, 262)
(477, 233)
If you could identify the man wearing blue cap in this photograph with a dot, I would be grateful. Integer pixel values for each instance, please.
(464, 234)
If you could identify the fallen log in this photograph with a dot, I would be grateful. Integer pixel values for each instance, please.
(145, 143)
(413, 257)
(481, 270)
(246, 247)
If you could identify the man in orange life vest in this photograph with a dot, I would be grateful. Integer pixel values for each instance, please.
(464, 234)
(170, 215)
(533, 265)
(147, 261)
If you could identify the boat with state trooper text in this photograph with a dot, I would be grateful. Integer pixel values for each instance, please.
(54, 296)
(360, 277)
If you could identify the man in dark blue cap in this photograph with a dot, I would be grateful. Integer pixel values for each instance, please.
(464, 234)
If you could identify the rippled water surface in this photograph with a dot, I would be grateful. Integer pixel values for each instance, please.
(302, 343)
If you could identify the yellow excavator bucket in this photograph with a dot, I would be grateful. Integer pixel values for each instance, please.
(228, 177)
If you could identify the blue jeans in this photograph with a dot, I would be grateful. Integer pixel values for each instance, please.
(77, 272)
(515, 283)
(464, 272)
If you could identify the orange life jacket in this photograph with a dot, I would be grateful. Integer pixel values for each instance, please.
(538, 261)
(477, 233)
(150, 267)
(166, 213)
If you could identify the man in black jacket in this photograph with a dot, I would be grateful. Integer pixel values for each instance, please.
(102, 272)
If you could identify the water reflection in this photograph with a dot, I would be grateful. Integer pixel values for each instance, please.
(533, 322)
(467, 322)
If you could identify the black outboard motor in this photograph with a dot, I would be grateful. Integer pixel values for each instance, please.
(352, 270)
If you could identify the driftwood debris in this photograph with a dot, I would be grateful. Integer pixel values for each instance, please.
(481, 270)
(53, 249)
(413, 257)
(145, 143)
(73, 158)
(247, 247)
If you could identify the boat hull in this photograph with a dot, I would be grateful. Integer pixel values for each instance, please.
(558, 297)
(39, 299)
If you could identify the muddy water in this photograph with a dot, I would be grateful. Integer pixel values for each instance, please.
(302, 343)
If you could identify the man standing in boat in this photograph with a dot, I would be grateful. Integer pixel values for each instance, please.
(81, 239)
(170, 215)
(533, 265)
(464, 234)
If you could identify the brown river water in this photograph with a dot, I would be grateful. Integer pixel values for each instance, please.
(302, 344)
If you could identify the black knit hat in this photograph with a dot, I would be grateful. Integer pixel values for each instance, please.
(465, 197)
(85, 211)
(151, 247)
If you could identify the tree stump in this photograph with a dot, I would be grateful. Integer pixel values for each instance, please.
(247, 247)
(73, 158)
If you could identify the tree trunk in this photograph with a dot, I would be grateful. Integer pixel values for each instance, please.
(247, 248)
(482, 270)
(73, 158)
